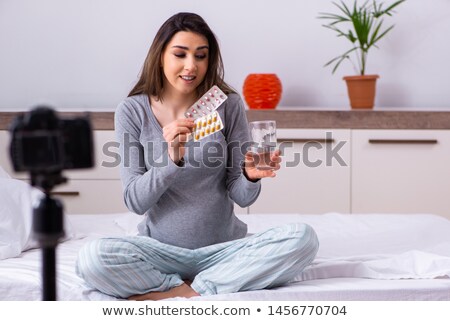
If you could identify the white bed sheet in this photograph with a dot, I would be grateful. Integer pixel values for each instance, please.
(361, 257)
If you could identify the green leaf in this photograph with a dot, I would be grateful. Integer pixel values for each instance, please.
(383, 34)
(340, 59)
(344, 9)
(395, 4)
(375, 33)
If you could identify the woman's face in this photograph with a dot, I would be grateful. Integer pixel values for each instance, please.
(184, 62)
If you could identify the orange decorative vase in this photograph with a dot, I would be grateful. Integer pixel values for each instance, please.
(262, 91)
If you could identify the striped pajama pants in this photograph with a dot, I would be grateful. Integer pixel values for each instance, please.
(127, 266)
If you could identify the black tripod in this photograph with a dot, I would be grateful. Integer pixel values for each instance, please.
(48, 229)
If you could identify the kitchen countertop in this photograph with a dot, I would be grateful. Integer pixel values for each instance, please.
(310, 117)
(355, 119)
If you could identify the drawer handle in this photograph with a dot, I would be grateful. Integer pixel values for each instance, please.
(307, 140)
(68, 193)
(403, 141)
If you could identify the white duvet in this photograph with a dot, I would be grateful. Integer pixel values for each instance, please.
(376, 246)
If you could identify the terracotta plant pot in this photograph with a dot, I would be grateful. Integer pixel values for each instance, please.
(262, 91)
(361, 90)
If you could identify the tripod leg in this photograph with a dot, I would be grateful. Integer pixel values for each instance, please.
(49, 274)
(48, 230)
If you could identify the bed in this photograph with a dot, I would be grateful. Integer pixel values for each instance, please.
(361, 257)
(343, 270)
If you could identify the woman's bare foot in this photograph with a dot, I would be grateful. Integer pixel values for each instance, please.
(183, 290)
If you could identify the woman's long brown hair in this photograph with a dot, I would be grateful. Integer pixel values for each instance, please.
(151, 79)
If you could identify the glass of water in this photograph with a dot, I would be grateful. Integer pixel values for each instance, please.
(264, 142)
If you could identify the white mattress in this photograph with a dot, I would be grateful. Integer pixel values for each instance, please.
(361, 257)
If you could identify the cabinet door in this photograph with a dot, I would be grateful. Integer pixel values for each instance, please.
(401, 171)
(315, 174)
(5, 161)
(91, 196)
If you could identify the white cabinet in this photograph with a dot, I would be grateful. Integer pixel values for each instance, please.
(315, 174)
(4, 153)
(401, 171)
(91, 196)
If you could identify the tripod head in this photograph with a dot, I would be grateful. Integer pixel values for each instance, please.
(48, 218)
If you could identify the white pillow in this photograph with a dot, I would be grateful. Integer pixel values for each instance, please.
(16, 199)
(3, 173)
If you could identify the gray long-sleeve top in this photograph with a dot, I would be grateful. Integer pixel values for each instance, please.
(191, 205)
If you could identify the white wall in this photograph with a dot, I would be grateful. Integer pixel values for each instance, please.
(86, 54)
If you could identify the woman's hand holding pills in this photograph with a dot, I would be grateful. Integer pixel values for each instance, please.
(176, 135)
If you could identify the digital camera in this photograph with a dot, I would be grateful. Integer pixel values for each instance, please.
(42, 142)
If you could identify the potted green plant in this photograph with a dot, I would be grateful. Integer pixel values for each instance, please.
(362, 25)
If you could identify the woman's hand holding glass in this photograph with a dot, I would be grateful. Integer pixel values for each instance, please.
(253, 172)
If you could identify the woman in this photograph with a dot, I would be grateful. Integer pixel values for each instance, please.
(190, 242)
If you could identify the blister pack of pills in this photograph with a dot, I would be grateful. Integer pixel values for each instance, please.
(207, 119)
(207, 125)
